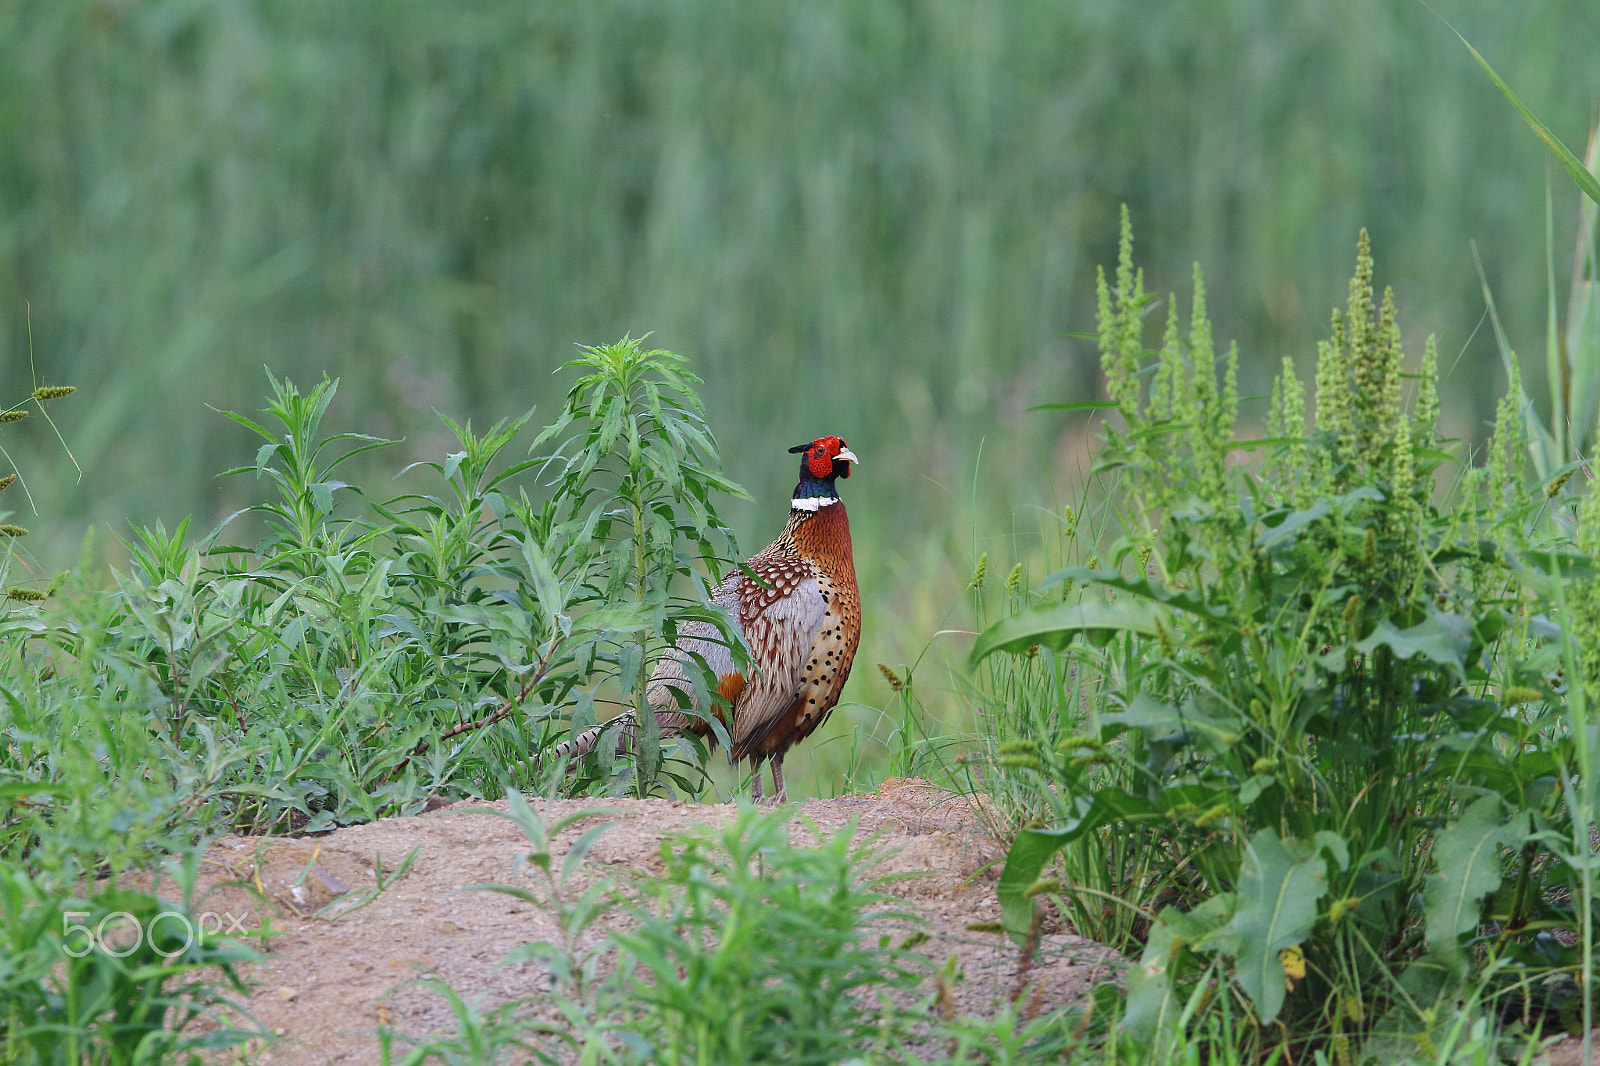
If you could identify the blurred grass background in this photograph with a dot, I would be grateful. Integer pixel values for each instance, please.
(875, 218)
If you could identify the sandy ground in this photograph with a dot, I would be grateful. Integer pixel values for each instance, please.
(324, 987)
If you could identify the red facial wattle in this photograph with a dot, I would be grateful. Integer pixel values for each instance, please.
(822, 453)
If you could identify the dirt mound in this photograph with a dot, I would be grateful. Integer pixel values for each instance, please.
(325, 986)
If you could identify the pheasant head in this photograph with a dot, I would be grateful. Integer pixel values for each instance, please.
(823, 460)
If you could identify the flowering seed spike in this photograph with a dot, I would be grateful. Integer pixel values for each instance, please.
(894, 679)
(12, 531)
(53, 392)
(5, 482)
(25, 595)
(12, 416)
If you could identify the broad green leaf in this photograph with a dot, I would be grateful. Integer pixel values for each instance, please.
(1056, 624)
(1277, 908)
(1415, 1028)
(1334, 845)
(1033, 849)
(1468, 858)
(1151, 1005)
(1441, 638)
(1293, 524)
(1160, 721)
(1141, 587)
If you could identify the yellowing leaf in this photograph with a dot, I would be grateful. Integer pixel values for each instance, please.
(1293, 961)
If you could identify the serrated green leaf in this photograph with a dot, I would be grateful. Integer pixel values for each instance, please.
(1467, 854)
(1277, 907)
(1441, 638)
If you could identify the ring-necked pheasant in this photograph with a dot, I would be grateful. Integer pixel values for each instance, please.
(802, 623)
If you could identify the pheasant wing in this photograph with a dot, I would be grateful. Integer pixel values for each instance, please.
(780, 620)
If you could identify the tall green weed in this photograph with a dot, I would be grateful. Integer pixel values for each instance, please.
(1311, 735)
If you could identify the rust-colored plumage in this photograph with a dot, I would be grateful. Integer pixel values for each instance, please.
(801, 620)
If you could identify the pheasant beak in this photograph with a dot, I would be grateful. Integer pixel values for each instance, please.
(848, 456)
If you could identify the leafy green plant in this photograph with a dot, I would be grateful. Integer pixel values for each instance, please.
(637, 480)
(362, 656)
(584, 991)
(117, 978)
(747, 948)
(759, 951)
(1329, 712)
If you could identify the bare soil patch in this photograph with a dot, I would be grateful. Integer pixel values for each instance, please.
(325, 987)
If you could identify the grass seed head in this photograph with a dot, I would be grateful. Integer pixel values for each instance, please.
(12, 416)
(53, 392)
(896, 682)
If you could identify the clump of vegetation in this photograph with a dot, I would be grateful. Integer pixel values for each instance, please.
(1319, 760)
(356, 660)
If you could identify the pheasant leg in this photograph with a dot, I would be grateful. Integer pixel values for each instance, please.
(781, 793)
